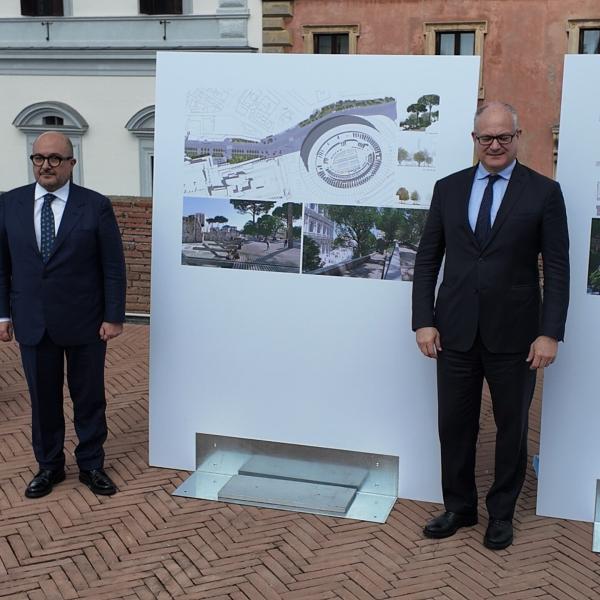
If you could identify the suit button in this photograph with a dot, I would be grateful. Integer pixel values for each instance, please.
(480, 260)
(476, 291)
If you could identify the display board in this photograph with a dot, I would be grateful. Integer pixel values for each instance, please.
(570, 444)
(289, 196)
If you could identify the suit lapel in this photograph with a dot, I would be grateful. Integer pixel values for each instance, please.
(512, 194)
(25, 209)
(464, 194)
(72, 213)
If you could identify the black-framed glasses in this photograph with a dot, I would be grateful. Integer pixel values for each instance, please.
(503, 139)
(54, 160)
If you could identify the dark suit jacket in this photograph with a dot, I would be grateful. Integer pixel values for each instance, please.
(83, 282)
(495, 288)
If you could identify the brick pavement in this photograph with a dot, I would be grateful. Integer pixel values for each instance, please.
(144, 544)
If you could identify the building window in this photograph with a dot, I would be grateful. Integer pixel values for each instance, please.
(464, 39)
(330, 39)
(142, 126)
(160, 7)
(584, 36)
(455, 43)
(52, 116)
(53, 120)
(42, 8)
(331, 43)
(589, 41)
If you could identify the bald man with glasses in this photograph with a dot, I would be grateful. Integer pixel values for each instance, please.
(62, 289)
(489, 223)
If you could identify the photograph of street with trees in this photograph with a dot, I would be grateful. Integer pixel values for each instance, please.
(241, 234)
(593, 285)
(361, 241)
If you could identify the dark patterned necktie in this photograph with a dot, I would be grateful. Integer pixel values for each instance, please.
(484, 221)
(47, 227)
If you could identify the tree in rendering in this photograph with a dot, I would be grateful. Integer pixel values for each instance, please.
(417, 108)
(403, 194)
(354, 225)
(422, 156)
(267, 226)
(289, 212)
(252, 207)
(403, 155)
(429, 101)
(388, 222)
(311, 256)
(411, 226)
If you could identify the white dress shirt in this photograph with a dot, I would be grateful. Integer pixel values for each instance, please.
(58, 207)
(480, 183)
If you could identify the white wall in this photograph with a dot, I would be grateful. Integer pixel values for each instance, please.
(112, 8)
(10, 8)
(205, 7)
(115, 8)
(81, 8)
(255, 24)
(209, 7)
(110, 153)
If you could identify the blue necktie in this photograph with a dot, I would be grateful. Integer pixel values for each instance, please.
(47, 227)
(484, 221)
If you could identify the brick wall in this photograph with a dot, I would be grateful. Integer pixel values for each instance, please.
(134, 215)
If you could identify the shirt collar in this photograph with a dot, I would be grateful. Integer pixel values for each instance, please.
(505, 173)
(61, 193)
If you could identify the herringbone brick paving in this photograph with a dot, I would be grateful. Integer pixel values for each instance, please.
(144, 544)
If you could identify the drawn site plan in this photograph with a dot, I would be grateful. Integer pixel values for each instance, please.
(304, 146)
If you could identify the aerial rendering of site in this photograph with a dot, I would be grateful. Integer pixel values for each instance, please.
(298, 147)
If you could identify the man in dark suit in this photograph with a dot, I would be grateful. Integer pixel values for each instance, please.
(62, 287)
(490, 223)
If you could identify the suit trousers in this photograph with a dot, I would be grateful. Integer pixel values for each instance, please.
(460, 381)
(44, 370)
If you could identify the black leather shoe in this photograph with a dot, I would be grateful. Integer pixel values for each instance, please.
(98, 481)
(42, 483)
(448, 524)
(499, 534)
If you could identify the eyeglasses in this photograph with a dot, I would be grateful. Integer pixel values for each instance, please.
(54, 160)
(503, 139)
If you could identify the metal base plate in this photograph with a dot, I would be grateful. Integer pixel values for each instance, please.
(325, 481)
(374, 508)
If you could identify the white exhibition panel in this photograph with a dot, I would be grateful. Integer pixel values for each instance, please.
(570, 440)
(290, 357)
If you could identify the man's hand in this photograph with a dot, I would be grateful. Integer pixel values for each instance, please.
(542, 352)
(428, 340)
(6, 331)
(108, 331)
